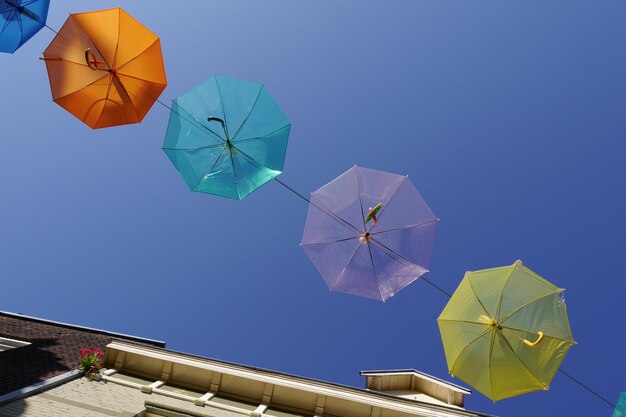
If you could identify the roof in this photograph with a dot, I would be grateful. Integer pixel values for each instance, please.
(149, 361)
(53, 350)
(440, 381)
(416, 385)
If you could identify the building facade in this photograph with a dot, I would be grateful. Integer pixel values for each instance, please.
(142, 378)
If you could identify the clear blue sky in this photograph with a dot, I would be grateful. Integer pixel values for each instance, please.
(509, 117)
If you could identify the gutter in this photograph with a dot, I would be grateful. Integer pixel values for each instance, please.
(39, 387)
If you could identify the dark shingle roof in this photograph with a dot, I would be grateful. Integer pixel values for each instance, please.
(54, 349)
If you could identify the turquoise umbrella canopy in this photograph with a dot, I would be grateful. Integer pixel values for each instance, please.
(19, 21)
(227, 137)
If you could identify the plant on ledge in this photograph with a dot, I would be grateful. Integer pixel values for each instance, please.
(90, 361)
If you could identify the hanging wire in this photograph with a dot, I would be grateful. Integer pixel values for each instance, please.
(587, 388)
(292, 190)
(441, 290)
(432, 284)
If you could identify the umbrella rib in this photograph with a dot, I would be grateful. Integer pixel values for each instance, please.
(258, 164)
(199, 125)
(117, 44)
(219, 92)
(138, 55)
(358, 190)
(256, 99)
(400, 257)
(331, 242)
(508, 316)
(502, 294)
(210, 169)
(85, 86)
(140, 79)
(335, 216)
(219, 145)
(463, 321)
(9, 20)
(424, 223)
(545, 334)
(20, 24)
(341, 274)
(123, 92)
(380, 215)
(493, 337)
(469, 279)
(488, 329)
(105, 100)
(369, 249)
(519, 359)
(116, 76)
(232, 163)
(95, 46)
(260, 137)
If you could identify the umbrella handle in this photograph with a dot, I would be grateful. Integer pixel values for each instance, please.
(372, 213)
(536, 342)
(90, 59)
(221, 121)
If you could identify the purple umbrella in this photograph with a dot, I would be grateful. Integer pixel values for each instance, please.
(369, 233)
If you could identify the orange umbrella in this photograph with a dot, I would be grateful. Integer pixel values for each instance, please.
(105, 68)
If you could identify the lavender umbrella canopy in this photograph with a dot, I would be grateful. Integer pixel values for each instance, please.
(369, 233)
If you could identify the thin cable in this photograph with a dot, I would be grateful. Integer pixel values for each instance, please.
(587, 388)
(164, 105)
(292, 190)
(432, 284)
(51, 29)
(437, 287)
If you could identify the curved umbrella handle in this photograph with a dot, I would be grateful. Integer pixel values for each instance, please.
(221, 121)
(536, 342)
(372, 213)
(90, 58)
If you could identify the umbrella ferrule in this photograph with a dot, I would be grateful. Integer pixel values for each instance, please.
(365, 238)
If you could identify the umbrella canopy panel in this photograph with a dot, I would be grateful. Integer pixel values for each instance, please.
(105, 68)
(19, 21)
(227, 137)
(505, 331)
(369, 233)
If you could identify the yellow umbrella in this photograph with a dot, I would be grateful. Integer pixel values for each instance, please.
(505, 331)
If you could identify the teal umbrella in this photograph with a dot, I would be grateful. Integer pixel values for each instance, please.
(227, 137)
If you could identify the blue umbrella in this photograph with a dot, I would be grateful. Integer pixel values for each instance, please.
(227, 137)
(19, 21)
